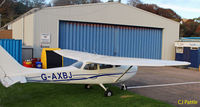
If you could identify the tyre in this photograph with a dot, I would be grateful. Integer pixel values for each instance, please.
(87, 86)
(123, 87)
(108, 93)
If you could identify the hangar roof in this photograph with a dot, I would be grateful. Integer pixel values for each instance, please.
(35, 10)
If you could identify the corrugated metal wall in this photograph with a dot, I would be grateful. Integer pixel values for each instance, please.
(139, 42)
(14, 47)
(111, 40)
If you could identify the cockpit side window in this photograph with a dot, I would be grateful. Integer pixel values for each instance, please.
(78, 64)
(90, 67)
(103, 66)
(117, 65)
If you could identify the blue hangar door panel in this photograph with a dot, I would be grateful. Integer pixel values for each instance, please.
(113, 40)
(139, 42)
(92, 38)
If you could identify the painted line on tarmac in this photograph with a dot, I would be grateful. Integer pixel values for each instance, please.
(163, 85)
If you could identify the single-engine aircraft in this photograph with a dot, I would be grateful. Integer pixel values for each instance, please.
(90, 69)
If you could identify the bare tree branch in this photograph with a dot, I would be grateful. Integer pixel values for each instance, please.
(2, 2)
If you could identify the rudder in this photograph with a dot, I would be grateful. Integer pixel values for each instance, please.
(10, 69)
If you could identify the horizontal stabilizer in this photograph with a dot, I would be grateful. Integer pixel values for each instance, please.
(113, 60)
(8, 81)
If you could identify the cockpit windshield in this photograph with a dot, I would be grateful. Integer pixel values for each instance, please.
(78, 64)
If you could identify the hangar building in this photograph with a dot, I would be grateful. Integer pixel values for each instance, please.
(103, 28)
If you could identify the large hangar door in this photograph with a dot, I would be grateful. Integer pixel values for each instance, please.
(139, 42)
(110, 40)
(92, 38)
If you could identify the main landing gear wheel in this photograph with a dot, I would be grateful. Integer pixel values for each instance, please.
(124, 87)
(87, 86)
(108, 93)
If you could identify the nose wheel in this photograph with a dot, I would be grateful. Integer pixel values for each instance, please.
(123, 87)
(107, 92)
(87, 86)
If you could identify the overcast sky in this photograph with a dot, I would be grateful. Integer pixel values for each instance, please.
(185, 8)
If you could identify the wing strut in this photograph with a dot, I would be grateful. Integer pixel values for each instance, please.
(123, 73)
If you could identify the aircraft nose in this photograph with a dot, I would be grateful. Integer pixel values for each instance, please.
(133, 69)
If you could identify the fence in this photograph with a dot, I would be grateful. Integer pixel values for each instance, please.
(6, 34)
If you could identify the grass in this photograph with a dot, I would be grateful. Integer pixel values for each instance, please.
(61, 95)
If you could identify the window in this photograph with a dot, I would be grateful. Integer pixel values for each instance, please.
(90, 67)
(117, 65)
(103, 66)
(194, 48)
(179, 49)
(78, 64)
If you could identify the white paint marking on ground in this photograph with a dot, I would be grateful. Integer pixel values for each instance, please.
(163, 85)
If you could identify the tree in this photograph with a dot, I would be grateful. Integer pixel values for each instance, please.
(73, 2)
(189, 28)
(168, 13)
(197, 19)
(134, 2)
(7, 11)
(110, 0)
(68, 2)
(94, 1)
(38, 3)
(11, 9)
(33, 3)
(2, 2)
(197, 31)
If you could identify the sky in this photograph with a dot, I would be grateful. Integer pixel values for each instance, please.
(188, 9)
(185, 8)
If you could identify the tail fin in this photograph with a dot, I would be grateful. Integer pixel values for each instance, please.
(10, 69)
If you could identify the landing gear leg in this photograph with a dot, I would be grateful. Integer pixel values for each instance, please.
(123, 87)
(107, 92)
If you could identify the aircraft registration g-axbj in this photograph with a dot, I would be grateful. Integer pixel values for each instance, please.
(90, 69)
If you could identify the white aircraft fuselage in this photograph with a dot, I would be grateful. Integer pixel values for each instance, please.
(73, 75)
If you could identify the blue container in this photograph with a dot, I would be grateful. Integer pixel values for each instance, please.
(191, 55)
(179, 57)
(186, 54)
(13, 47)
(38, 65)
(195, 58)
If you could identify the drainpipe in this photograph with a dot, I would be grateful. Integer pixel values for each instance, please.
(0, 20)
(23, 31)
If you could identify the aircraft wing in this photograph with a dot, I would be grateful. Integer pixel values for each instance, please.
(112, 60)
